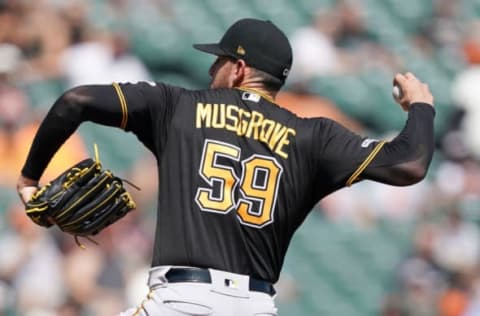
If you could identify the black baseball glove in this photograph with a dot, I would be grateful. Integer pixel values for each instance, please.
(81, 201)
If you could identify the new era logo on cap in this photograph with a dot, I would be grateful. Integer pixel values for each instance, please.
(259, 43)
(240, 50)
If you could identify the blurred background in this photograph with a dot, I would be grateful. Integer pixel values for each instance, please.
(366, 250)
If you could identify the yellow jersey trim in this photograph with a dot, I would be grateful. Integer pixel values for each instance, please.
(123, 104)
(365, 163)
(264, 95)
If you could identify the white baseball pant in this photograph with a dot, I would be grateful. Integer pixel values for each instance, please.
(227, 294)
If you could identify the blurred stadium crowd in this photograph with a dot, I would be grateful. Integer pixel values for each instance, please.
(367, 250)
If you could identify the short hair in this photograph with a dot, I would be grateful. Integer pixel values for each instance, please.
(269, 81)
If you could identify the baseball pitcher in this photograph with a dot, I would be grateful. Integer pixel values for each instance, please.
(237, 173)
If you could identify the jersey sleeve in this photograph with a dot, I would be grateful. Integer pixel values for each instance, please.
(147, 109)
(142, 108)
(405, 159)
(346, 157)
(340, 154)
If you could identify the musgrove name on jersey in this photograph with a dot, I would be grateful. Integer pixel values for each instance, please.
(245, 123)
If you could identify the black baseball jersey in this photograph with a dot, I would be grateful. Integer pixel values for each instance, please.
(237, 173)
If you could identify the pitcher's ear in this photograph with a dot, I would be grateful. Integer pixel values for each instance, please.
(239, 72)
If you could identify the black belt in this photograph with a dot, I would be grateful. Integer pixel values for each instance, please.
(176, 275)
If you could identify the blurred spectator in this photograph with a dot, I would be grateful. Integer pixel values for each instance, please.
(383, 202)
(13, 107)
(141, 175)
(391, 306)
(466, 95)
(420, 281)
(444, 29)
(125, 66)
(98, 56)
(95, 277)
(18, 125)
(352, 32)
(314, 48)
(457, 180)
(358, 45)
(42, 35)
(337, 41)
(104, 59)
(473, 308)
(88, 60)
(17, 130)
(471, 45)
(457, 246)
(454, 301)
(10, 55)
(9, 22)
(30, 264)
(288, 289)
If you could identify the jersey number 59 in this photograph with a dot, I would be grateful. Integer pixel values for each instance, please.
(258, 184)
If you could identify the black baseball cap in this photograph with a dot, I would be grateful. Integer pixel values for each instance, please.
(259, 43)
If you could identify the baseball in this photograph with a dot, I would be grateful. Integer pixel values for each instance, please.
(396, 92)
